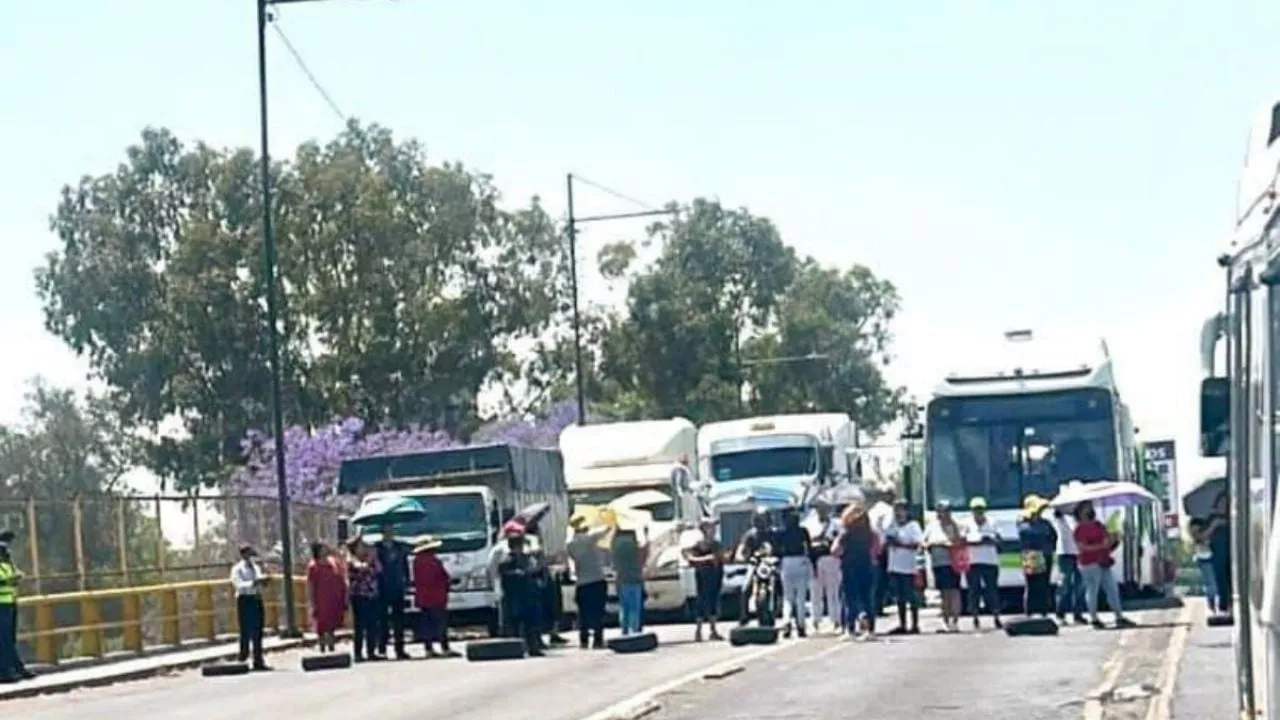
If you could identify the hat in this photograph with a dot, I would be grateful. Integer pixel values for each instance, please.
(1033, 504)
(427, 544)
(942, 506)
(513, 529)
(978, 503)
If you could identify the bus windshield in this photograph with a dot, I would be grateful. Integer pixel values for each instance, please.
(1005, 447)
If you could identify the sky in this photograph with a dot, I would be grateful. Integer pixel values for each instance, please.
(1055, 166)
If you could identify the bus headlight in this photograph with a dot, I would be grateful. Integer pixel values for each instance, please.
(477, 581)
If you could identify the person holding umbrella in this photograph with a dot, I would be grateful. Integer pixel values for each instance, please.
(1095, 544)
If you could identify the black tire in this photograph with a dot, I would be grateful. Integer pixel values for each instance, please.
(629, 644)
(1220, 621)
(749, 635)
(225, 669)
(327, 661)
(495, 649)
(1030, 627)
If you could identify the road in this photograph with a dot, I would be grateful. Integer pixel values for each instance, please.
(968, 675)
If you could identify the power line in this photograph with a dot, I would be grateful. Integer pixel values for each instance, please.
(302, 65)
(614, 193)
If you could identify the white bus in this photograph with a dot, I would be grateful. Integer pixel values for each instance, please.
(1039, 416)
(1238, 411)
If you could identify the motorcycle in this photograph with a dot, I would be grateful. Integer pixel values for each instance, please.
(764, 588)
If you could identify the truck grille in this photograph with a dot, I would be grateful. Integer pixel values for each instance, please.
(733, 525)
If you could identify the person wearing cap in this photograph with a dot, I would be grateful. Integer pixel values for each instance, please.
(11, 667)
(983, 575)
(590, 585)
(431, 596)
(707, 557)
(1038, 539)
(248, 580)
(520, 601)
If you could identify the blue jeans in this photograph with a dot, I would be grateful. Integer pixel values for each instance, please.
(630, 607)
(1212, 594)
(1071, 591)
(858, 583)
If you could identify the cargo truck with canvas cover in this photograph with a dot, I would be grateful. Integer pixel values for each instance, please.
(1038, 416)
(467, 494)
(769, 462)
(631, 468)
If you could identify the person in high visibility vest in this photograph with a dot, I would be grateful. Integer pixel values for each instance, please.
(11, 667)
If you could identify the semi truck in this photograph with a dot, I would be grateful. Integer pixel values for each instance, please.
(631, 467)
(468, 493)
(770, 463)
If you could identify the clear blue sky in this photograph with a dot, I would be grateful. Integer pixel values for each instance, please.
(1054, 165)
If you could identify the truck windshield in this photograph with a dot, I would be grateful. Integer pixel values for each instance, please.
(661, 511)
(1004, 448)
(764, 462)
(459, 521)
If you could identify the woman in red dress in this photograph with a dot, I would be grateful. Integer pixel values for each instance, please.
(327, 592)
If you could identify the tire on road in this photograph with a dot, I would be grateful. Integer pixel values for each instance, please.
(224, 669)
(327, 661)
(753, 635)
(1030, 627)
(495, 649)
(626, 645)
(1220, 621)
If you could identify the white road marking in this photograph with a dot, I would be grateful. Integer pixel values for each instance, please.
(1111, 670)
(645, 701)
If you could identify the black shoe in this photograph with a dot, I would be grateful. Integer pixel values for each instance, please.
(715, 636)
(898, 631)
(357, 658)
(402, 655)
(999, 625)
(261, 667)
(1080, 619)
(558, 640)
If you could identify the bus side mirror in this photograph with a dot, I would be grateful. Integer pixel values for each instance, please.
(1215, 416)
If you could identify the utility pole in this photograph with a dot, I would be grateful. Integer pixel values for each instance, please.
(579, 376)
(269, 263)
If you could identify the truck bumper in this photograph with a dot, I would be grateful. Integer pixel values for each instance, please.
(472, 600)
(664, 594)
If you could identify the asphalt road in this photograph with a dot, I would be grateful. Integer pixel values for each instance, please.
(933, 677)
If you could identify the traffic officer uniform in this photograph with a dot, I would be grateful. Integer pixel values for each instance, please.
(11, 667)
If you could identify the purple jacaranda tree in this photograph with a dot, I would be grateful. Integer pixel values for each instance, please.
(540, 431)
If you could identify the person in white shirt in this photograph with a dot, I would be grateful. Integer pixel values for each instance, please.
(824, 592)
(881, 516)
(903, 536)
(983, 575)
(1071, 589)
(248, 579)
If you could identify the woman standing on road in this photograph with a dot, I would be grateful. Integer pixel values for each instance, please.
(942, 539)
(1039, 540)
(1203, 555)
(362, 581)
(326, 595)
(1096, 544)
(856, 548)
(903, 537)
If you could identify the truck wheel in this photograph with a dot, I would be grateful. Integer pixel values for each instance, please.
(1030, 627)
(327, 661)
(749, 635)
(495, 649)
(224, 669)
(629, 644)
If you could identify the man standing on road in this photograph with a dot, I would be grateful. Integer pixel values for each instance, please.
(393, 589)
(983, 575)
(826, 568)
(591, 590)
(1071, 591)
(881, 517)
(248, 580)
(11, 667)
(520, 602)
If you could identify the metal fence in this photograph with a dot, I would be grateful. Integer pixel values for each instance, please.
(110, 541)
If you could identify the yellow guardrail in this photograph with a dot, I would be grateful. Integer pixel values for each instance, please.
(97, 623)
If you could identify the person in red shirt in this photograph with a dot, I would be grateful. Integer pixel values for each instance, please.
(327, 594)
(431, 594)
(1095, 544)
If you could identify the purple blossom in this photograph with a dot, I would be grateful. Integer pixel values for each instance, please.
(539, 431)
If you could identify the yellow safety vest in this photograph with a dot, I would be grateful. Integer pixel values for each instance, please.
(8, 583)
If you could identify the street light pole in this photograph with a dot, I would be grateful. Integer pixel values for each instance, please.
(579, 377)
(273, 331)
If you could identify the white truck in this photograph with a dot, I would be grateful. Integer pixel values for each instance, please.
(769, 462)
(468, 493)
(629, 466)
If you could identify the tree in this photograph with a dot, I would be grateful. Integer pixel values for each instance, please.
(404, 288)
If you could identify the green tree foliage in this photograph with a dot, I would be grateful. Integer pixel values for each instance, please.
(68, 447)
(404, 288)
(727, 305)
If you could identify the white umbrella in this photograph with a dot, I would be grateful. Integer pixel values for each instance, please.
(639, 498)
(1200, 500)
(1108, 493)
